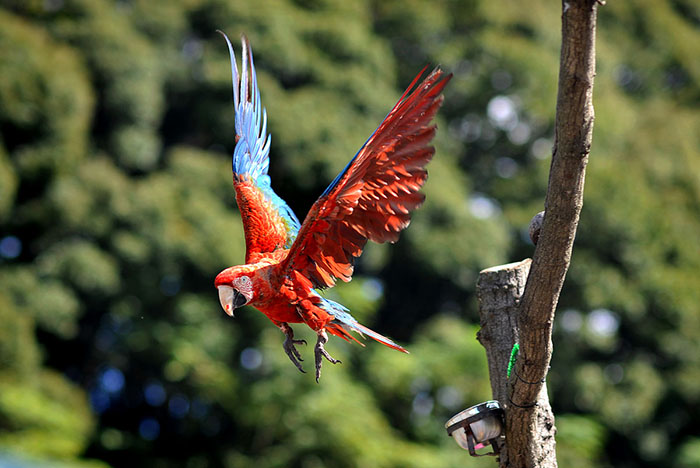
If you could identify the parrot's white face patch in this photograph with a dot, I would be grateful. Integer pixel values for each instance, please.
(226, 299)
(244, 285)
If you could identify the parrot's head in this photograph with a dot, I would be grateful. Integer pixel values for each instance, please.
(235, 289)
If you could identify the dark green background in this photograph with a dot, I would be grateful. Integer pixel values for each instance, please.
(117, 211)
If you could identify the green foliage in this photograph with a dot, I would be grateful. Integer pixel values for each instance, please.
(8, 184)
(52, 305)
(46, 115)
(41, 412)
(580, 440)
(689, 454)
(116, 212)
(19, 353)
(53, 416)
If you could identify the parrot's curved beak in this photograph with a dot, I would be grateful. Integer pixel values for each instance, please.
(226, 298)
(231, 298)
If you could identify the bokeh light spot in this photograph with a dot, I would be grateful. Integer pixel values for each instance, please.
(112, 380)
(10, 247)
(603, 322)
(251, 358)
(501, 111)
(154, 394)
(178, 406)
(149, 429)
(483, 207)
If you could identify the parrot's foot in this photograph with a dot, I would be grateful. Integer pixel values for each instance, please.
(290, 348)
(320, 353)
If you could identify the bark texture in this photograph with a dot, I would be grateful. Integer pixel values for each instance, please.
(530, 427)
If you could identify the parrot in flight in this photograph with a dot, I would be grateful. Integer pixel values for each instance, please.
(287, 262)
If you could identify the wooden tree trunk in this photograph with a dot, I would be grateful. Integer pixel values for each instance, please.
(513, 309)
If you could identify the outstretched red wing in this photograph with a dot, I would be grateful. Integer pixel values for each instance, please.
(373, 197)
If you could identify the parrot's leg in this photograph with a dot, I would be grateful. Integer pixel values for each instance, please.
(320, 353)
(289, 347)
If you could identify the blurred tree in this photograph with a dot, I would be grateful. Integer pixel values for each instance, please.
(116, 211)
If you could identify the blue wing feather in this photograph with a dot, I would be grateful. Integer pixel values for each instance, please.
(251, 155)
(290, 220)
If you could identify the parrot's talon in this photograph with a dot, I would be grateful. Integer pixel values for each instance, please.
(293, 354)
(290, 348)
(320, 353)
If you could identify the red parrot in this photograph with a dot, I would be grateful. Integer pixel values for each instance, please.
(287, 263)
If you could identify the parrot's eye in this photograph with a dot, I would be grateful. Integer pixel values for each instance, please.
(238, 299)
(226, 299)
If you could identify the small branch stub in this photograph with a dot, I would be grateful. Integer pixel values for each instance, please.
(536, 226)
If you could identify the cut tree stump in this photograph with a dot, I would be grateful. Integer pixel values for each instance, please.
(499, 290)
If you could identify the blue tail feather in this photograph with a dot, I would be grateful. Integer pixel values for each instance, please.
(343, 317)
